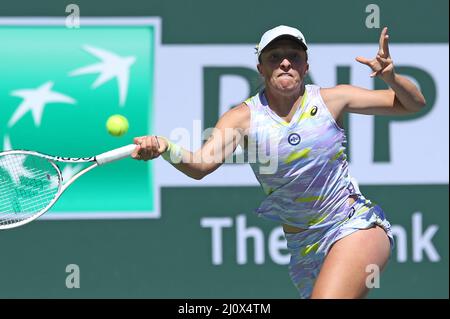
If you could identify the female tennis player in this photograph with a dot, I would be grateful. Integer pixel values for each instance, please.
(334, 234)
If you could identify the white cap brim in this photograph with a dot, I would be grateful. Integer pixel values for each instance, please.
(277, 32)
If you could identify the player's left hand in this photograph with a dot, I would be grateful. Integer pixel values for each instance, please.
(382, 65)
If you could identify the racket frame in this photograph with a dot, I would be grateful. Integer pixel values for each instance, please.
(100, 159)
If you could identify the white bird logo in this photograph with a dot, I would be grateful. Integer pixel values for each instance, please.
(112, 66)
(6, 143)
(36, 100)
(18, 169)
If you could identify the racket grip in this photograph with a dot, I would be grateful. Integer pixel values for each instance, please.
(115, 155)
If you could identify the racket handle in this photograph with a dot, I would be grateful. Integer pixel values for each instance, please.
(115, 155)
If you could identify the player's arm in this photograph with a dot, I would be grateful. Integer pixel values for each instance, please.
(226, 135)
(403, 97)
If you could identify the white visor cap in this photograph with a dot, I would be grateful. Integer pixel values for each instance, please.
(277, 32)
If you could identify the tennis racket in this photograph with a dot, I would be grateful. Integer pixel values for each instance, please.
(31, 182)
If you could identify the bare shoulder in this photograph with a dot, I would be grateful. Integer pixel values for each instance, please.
(241, 110)
(237, 117)
(334, 99)
(337, 92)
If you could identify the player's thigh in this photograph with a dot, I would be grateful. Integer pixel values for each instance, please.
(345, 270)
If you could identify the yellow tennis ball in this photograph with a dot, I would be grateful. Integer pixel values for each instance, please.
(117, 125)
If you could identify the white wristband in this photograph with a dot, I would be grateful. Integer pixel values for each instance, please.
(173, 153)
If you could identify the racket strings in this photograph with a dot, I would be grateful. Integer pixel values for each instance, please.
(28, 184)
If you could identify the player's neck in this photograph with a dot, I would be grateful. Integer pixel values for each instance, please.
(281, 104)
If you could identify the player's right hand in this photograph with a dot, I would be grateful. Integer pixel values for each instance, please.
(382, 65)
(149, 147)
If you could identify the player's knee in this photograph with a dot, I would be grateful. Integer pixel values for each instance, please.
(339, 293)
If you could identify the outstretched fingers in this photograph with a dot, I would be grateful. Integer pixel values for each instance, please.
(363, 60)
(384, 43)
(382, 63)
